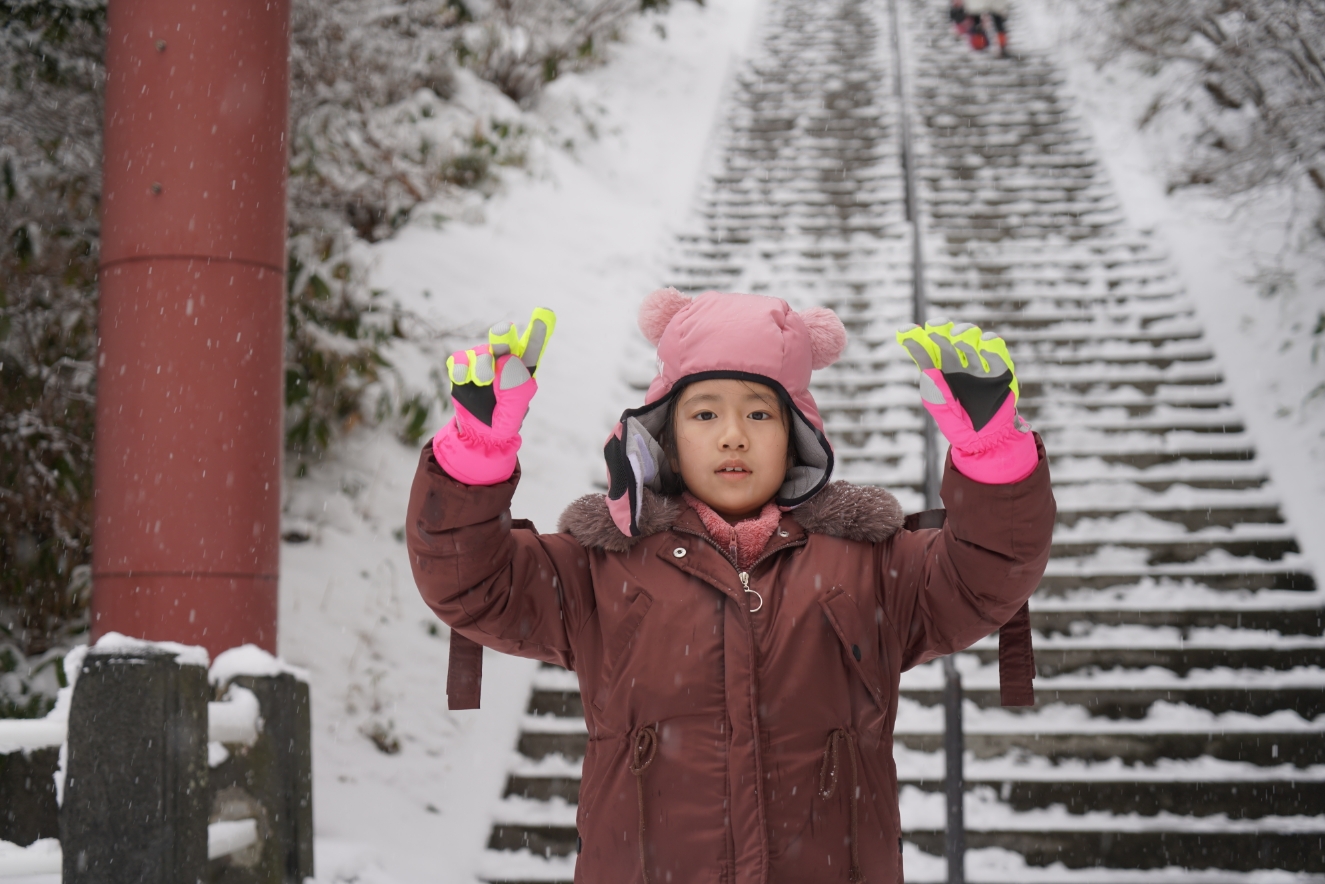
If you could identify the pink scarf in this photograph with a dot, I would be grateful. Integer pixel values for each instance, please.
(743, 541)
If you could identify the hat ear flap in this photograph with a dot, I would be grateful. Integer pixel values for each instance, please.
(657, 310)
(828, 336)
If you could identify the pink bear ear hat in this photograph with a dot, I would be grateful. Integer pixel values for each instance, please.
(725, 335)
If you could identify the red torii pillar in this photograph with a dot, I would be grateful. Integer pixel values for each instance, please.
(192, 312)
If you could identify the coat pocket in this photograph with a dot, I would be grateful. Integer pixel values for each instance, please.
(619, 643)
(860, 641)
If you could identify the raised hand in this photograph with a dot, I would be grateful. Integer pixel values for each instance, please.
(969, 385)
(492, 385)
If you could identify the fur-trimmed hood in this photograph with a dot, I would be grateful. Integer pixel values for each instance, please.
(841, 509)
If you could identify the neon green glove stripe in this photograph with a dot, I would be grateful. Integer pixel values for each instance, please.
(466, 376)
(919, 336)
(510, 338)
(549, 320)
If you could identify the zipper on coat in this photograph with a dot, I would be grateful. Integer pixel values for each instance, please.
(745, 584)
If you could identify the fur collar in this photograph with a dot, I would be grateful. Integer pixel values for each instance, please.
(852, 512)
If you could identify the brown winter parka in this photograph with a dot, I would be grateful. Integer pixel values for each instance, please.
(728, 744)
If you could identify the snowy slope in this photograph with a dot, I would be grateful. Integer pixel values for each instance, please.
(584, 234)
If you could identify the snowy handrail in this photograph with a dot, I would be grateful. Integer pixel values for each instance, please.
(27, 734)
(44, 857)
(233, 720)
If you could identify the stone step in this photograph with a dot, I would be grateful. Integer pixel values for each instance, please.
(1126, 702)
(1050, 616)
(1246, 575)
(1097, 739)
(1051, 660)
(1138, 746)
(1160, 552)
(1236, 794)
(1194, 517)
(1224, 849)
(1111, 695)
(956, 215)
(540, 840)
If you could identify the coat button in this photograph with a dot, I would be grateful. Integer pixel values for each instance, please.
(855, 652)
(784, 534)
(679, 552)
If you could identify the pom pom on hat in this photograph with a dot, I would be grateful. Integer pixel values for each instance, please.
(828, 336)
(657, 310)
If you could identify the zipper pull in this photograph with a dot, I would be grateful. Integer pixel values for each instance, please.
(745, 583)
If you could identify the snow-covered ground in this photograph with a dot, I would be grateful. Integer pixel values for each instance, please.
(584, 233)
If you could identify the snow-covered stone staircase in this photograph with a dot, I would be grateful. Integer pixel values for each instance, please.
(1180, 721)
(1179, 733)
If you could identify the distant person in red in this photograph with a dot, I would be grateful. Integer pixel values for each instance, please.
(978, 26)
(961, 22)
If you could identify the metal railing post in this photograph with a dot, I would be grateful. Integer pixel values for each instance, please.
(954, 748)
(953, 743)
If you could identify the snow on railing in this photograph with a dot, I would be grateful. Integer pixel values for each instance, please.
(45, 857)
(235, 719)
(230, 836)
(27, 734)
(255, 740)
(39, 858)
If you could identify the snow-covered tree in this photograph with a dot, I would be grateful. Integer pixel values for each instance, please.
(381, 124)
(50, 159)
(521, 44)
(1255, 72)
(393, 107)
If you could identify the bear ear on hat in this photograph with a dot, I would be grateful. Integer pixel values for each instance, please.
(659, 308)
(828, 336)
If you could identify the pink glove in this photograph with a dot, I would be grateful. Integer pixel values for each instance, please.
(491, 387)
(969, 385)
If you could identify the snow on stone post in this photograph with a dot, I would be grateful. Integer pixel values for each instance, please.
(270, 781)
(135, 789)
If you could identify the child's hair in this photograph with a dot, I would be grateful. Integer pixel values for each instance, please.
(672, 483)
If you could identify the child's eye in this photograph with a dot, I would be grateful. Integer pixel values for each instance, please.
(704, 416)
(760, 416)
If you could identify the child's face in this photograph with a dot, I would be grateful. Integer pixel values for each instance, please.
(731, 441)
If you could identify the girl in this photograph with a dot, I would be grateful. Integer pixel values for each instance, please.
(737, 622)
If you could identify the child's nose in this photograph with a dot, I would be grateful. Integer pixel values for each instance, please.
(733, 437)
